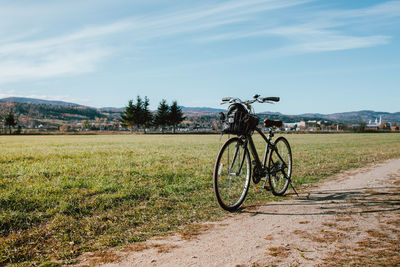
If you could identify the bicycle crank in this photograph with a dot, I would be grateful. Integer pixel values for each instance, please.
(257, 175)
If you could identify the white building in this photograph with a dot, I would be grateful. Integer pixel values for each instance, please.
(375, 125)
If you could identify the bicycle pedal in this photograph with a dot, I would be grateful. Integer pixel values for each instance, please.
(267, 187)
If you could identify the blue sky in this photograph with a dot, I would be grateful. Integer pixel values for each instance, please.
(318, 56)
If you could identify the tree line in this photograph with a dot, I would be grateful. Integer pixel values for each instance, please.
(10, 121)
(139, 116)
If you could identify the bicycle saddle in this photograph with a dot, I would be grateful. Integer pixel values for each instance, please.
(272, 123)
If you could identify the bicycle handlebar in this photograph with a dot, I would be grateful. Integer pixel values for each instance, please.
(248, 102)
(274, 99)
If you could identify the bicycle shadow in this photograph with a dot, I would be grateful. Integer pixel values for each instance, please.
(331, 202)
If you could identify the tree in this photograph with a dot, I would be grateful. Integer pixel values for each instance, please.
(146, 116)
(138, 114)
(128, 117)
(10, 121)
(161, 118)
(85, 125)
(361, 127)
(175, 115)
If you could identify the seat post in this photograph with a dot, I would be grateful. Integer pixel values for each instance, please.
(270, 134)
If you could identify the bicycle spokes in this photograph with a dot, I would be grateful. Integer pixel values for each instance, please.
(279, 166)
(231, 178)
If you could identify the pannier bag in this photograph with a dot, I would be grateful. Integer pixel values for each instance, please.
(238, 121)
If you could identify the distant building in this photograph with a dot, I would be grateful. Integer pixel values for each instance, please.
(296, 126)
(375, 125)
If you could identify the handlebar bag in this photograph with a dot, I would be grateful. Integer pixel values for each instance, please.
(238, 121)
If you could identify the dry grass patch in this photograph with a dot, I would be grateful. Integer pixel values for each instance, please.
(343, 219)
(192, 231)
(366, 243)
(269, 237)
(301, 233)
(323, 236)
(280, 251)
(251, 207)
(137, 247)
(347, 228)
(330, 224)
(368, 253)
(100, 257)
(395, 222)
(377, 234)
(326, 236)
(162, 248)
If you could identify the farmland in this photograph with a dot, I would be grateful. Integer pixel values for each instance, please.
(63, 195)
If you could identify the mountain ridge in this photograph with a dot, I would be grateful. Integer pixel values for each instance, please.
(28, 100)
(338, 117)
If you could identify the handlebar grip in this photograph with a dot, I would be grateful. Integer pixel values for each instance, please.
(225, 99)
(274, 99)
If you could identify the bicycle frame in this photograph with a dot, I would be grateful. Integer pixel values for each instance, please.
(258, 164)
(253, 150)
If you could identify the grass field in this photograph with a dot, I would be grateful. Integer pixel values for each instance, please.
(64, 195)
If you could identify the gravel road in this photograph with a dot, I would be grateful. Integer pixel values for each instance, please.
(350, 218)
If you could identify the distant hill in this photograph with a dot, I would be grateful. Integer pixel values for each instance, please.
(111, 109)
(37, 101)
(51, 115)
(201, 109)
(51, 112)
(356, 116)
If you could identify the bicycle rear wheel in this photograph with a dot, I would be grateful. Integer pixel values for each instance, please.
(280, 166)
(232, 174)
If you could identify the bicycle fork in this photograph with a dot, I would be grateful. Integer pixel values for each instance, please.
(235, 155)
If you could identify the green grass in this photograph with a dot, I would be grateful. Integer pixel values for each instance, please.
(64, 195)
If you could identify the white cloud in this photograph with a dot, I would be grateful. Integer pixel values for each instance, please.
(339, 43)
(54, 64)
(317, 30)
(68, 54)
(204, 17)
(383, 10)
(83, 51)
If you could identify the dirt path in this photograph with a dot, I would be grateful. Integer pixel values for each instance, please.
(353, 217)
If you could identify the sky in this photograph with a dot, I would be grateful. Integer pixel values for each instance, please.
(317, 56)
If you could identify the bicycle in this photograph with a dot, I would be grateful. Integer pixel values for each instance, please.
(234, 167)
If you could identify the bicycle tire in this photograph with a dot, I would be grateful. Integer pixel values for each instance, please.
(280, 168)
(226, 181)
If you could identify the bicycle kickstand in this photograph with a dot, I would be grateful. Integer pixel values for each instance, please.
(293, 188)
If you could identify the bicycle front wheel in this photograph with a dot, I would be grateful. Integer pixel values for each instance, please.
(280, 166)
(232, 174)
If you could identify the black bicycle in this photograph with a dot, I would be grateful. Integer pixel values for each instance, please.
(234, 167)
